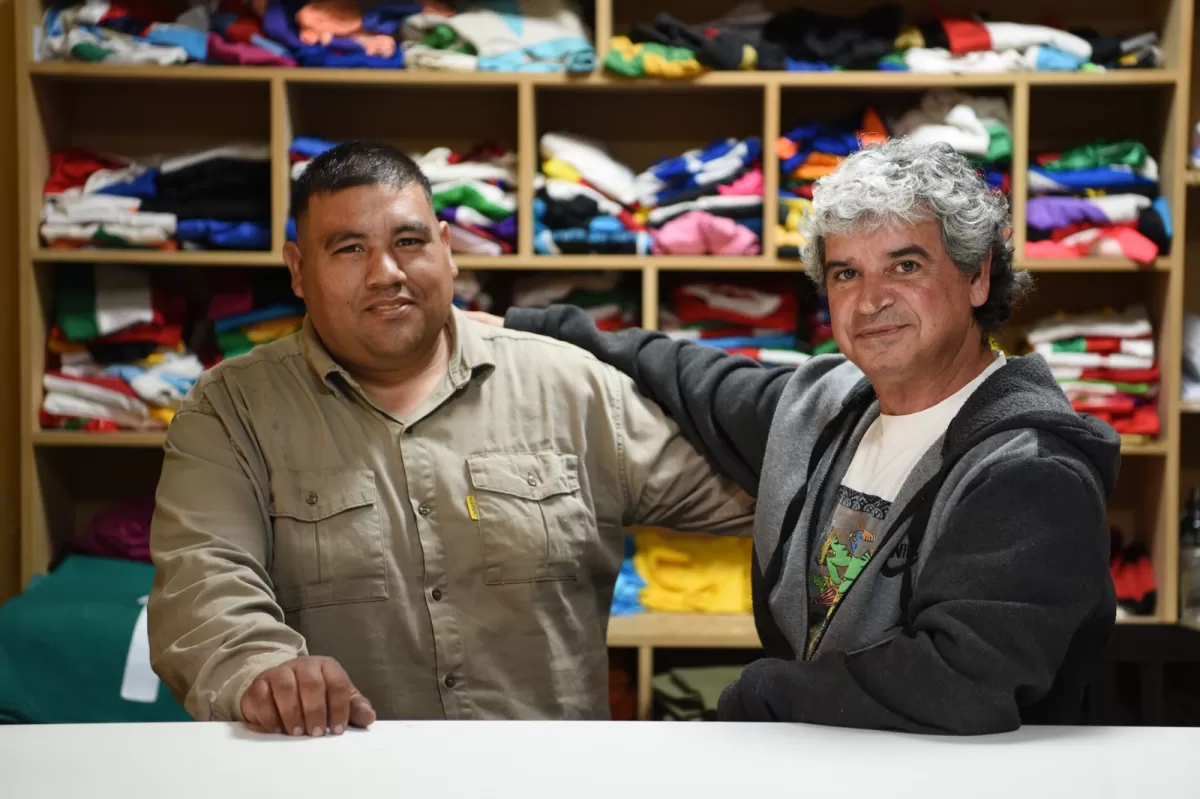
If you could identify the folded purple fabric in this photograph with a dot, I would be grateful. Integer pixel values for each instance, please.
(1052, 212)
(123, 532)
(223, 52)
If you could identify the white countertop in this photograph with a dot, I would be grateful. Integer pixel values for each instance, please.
(617, 760)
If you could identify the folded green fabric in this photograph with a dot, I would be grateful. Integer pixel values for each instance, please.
(73, 648)
(692, 694)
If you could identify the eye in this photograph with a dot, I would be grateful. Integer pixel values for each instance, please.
(349, 248)
(409, 242)
(842, 275)
(908, 267)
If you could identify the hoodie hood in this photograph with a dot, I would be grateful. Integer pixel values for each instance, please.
(1022, 395)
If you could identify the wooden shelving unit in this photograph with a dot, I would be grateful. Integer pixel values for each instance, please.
(63, 104)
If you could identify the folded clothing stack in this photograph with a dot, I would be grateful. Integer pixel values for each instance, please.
(692, 694)
(140, 32)
(751, 37)
(246, 310)
(1105, 363)
(122, 531)
(978, 127)
(474, 192)
(707, 201)
(116, 358)
(470, 294)
(76, 649)
(212, 199)
(820, 327)
(626, 599)
(692, 572)
(759, 322)
(518, 36)
(1191, 357)
(1099, 199)
(600, 294)
(1133, 577)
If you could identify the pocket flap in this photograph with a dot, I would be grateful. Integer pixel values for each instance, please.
(535, 476)
(313, 495)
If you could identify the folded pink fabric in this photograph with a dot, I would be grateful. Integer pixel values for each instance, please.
(748, 185)
(123, 532)
(701, 233)
(1109, 240)
(224, 52)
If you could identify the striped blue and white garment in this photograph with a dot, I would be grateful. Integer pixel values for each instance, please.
(719, 162)
(1115, 179)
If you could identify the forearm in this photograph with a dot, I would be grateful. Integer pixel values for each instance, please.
(211, 635)
(723, 404)
(213, 620)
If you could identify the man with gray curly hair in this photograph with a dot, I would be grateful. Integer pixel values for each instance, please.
(931, 547)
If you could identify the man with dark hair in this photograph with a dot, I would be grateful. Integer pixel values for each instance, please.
(398, 511)
(931, 550)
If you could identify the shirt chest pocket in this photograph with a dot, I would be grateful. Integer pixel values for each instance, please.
(533, 522)
(328, 538)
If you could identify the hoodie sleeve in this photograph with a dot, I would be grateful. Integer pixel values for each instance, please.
(1020, 569)
(722, 403)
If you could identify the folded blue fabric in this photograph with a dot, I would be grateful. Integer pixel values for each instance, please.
(142, 186)
(763, 342)
(311, 146)
(218, 234)
(277, 311)
(195, 42)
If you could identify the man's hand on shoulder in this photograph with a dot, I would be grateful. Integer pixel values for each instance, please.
(485, 318)
(305, 696)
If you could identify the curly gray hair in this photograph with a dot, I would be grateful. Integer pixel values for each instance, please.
(902, 181)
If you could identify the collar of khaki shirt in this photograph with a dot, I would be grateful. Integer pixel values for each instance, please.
(470, 356)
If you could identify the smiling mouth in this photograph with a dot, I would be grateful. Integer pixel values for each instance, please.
(880, 332)
(389, 305)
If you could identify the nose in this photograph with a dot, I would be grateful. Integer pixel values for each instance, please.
(384, 269)
(873, 296)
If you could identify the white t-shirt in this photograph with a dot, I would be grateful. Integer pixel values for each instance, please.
(884, 459)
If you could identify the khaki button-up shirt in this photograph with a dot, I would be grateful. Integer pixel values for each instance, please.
(459, 563)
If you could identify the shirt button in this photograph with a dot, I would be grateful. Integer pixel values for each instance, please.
(311, 498)
(449, 680)
(437, 595)
(424, 509)
(531, 480)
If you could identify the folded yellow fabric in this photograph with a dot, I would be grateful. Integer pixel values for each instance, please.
(554, 168)
(696, 573)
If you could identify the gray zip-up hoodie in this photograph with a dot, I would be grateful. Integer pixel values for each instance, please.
(988, 599)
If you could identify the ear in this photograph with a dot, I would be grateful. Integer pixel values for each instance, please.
(444, 233)
(295, 262)
(981, 284)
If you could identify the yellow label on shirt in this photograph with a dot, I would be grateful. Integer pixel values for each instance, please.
(472, 508)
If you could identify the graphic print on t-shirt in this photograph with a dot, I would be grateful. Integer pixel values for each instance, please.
(847, 548)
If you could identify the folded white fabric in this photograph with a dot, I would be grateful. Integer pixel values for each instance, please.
(594, 164)
(714, 202)
(984, 62)
(424, 57)
(133, 234)
(1015, 36)
(538, 291)
(464, 241)
(438, 169)
(961, 120)
(1134, 322)
(239, 152)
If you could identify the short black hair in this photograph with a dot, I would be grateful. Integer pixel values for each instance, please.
(356, 163)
